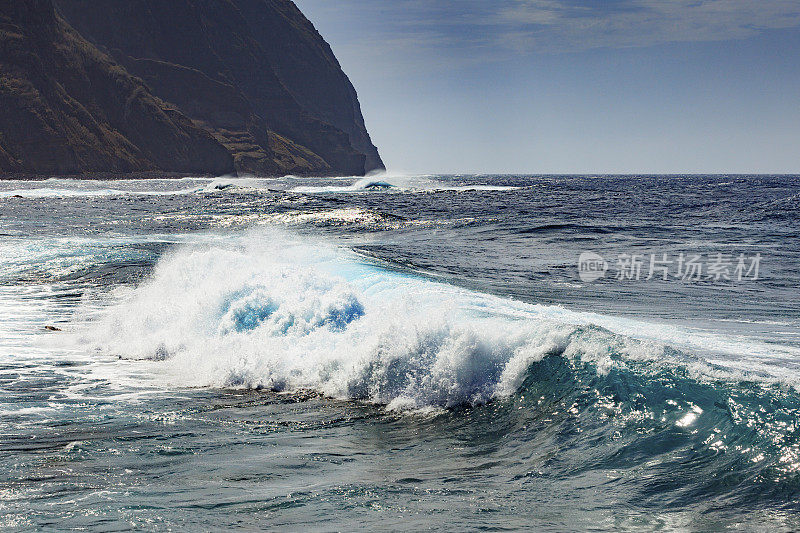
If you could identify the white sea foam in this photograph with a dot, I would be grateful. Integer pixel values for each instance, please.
(269, 310)
(396, 182)
(49, 192)
(227, 183)
(71, 188)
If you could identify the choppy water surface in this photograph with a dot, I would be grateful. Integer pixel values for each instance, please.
(398, 352)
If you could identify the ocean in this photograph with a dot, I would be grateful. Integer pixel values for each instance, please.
(461, 352)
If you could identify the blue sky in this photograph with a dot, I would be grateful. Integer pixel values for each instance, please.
(588, 86)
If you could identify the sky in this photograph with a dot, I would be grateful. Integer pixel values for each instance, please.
(584, 86)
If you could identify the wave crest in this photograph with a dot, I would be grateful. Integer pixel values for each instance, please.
(272, 313)
(266, 311)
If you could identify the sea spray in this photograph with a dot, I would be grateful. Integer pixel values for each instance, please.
(269, 310)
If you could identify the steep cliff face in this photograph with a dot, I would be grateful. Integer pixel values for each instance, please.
(251, 77)
(67, 108)
(305, 64)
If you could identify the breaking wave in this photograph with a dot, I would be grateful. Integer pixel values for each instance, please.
(397, 183)
(266, 310)
(70, 188)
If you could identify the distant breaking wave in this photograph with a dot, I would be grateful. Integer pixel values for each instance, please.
(381, 182)
(70, 188)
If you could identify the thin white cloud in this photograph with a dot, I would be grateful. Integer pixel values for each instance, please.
(560, 25)
(431, 35)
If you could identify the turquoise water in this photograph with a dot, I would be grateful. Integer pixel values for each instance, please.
(409, 352)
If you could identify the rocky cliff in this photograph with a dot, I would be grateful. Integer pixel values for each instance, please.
(67, 108)
(206, 86)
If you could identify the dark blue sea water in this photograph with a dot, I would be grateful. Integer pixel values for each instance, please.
(403, 352)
